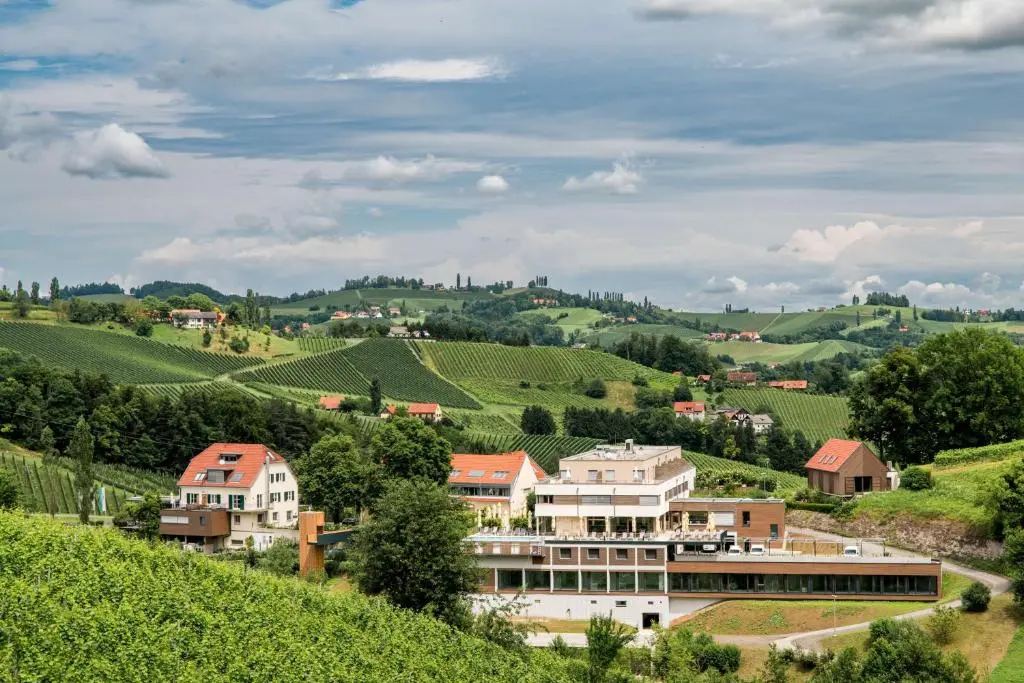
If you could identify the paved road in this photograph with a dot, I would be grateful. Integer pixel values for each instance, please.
(810, 640)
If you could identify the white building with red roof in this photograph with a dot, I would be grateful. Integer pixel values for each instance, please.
(250, 483)
(495, 486)
(692, 410)
(428, 412)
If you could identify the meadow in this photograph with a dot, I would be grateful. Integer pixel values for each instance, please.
(818, 417)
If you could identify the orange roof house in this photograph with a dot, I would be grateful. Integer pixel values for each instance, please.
(703, 379)
(495, 486)
(429, 412)
(691, 409)
(789, 384)
(241, 463)
(844, 467)
(331, 402)
(747, 378)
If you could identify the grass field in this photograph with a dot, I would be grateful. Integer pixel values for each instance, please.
(786, 483)
(193, 339)
(818, 417)
(556, 396)
(956, 495)
(753, 322)
(125, 359)
(609, 336)
(777, 617)
(425, 298)
(987, 639)
(574, 320)
(462, 360)
(350, 370)
(36, 314)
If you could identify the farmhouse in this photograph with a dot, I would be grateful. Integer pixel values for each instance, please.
(749, 336)
(789, 384)
(617, 531)
(846, 468)
(761, 423)
(393, 312)
(230, 492)
(693, 410)
(193, 318)
(747, 379)
(428, 412)
(331, 402)
(495, 486)
(399, 331)
(341, 315)
(716, 337)
(703, 379)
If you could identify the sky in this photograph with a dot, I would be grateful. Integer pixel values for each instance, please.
(757, 153)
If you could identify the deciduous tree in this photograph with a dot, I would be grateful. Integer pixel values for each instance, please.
(408, 448)
(537, 420)
(335, 475)
(81, 451)
(10, 490)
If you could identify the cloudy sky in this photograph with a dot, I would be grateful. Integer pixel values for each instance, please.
(699, 152)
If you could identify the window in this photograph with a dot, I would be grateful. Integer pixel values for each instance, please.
(237, 519)
(538, 579)
(500, 474)
(650, 554)
(609, 475)
(621, 554)
(546, 500)
(236, 502)
(773, 530)
(236, 541)
(638, 475)
(274, 517)
(862, 484)
(565, 553)
(649, 500)
(746, 518)
(593, 553)
(215, 476)
(475, 473)
(566, 475)
(213, 499)
(289, 495)
(595, 500)
(566, 581)
(510, 579)
(456, 473)
(275, 497)
(288, 515)
(259, 500)
(623, 582)
(620, 603)
(723, 519)
(594, 581)
(236, 477)
(228, 457)
(261, 518)
(651, 581)
(199, 476)
(591, 475)
(191, 498)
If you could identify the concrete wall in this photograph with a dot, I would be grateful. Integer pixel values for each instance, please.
(626, 608)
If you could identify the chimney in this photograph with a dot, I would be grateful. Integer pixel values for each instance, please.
(629, 445)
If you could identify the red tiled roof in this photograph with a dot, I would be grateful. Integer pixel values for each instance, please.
(686, 407)
(833, 455)
(422, 408)
(249, 463)
(703, 378)
(487, 465)
(741, 377)
(788, 384)
(331, 402)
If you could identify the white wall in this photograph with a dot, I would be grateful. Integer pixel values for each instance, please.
(582, 607)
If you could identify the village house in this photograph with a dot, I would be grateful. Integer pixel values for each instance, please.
(428, 412)
(231, 492)
(750, 337)
(761, 423)
(789, 384)
(847, 468)
(331, 402)
(692, 410)
(747, 379)
(194, 319)
(341, 315)
(495, 486)
(394, 312)
(716, 336)
(399, 331)
(702, 379)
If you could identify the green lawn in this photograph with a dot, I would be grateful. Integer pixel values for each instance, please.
(1011, 668)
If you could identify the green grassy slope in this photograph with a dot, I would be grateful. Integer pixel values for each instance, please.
(609, 336)
(148, 613)
(462, 360)
(786, 483)
(818, 417)
(125, 359)
(350, 370)
(731, 321)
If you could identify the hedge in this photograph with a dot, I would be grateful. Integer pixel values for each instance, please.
(813, 507)
(993, 453)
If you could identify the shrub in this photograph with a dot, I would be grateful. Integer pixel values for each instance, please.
(975, 597)
(144, 327)
(239, 344)
(596, 389)
(812, 507)
(640, 381)
(943, 624)
(709, 655)
(916, 479)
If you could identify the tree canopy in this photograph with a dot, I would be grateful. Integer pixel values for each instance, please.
(335, 475)
(408, 448)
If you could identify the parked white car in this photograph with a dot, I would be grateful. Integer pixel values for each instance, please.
(757, 549)
(851, 551)
(734, 550)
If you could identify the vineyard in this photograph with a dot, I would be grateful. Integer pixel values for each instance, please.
(321, 344)
(464, 360)
(546, 450)
(124, 359)
(786, 483)
(489, 422)
(92, 605)
(51, 489)
(349, 371)
(131, 479)
(818, 417)
(555, 397)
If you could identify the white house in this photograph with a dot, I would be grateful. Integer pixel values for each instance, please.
(495, 486)
(692, 410)
(251, 482)
(193, 319)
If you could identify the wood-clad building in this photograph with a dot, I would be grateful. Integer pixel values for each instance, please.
(846, 468)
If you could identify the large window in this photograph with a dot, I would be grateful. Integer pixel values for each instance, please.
(537, 579)
(651, 581)
(595, 500)
(510, 579)
(861, 484)
(594, 581)
(649, 500)
(818, 584)
(623, 582)
(566, 581)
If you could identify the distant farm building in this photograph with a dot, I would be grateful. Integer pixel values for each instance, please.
(703, 379)
(789, 384)
(428, 412)
(692, 410)
(194, 319)
(747, 379)
(716, 336)
(331, 402)
(846, 468)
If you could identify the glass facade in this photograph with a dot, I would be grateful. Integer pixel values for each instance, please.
(538, 579)
(510, 579)
(651, 581)
(623, 582)
(594, 581)
(566, 581)
(818, 584)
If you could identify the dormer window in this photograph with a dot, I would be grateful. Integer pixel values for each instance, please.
(500, 474)
(226, 458)
(475, 473)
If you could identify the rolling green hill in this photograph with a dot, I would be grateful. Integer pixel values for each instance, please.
(464, 360)
(141, 612)
(609, 336)
(350, 370)
(125, 359)
(786, 483)
(818, 417)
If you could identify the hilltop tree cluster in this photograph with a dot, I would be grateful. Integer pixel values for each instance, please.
(667, 353)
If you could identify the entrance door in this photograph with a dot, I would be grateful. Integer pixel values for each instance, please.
(649, 619)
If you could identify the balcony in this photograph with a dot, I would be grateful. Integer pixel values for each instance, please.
(194, 521)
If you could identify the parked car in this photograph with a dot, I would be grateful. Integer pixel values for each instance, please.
(851, 551)
(709, 548)
(734, 550)
(757, 549)
(350, 521)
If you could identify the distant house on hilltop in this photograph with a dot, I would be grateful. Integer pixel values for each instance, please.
(789, 384)
(692, 410)
(716, 337)
(193, 318)
(845, 468)
(428, 412)
(747, 379)
(331, 402)
(341, 315)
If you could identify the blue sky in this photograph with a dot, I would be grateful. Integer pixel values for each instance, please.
(699, 152)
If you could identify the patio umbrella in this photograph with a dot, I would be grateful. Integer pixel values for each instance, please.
(686, 522)
(711, 522)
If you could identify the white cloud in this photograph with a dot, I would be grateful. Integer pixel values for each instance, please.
(968, 229)
(424, 71)
(728, 285)
(939, 294)
(112, 152)
(861, 288)
(492, 184)
(825, 246)
(385, 169)
(19, 65)
(622, 179)
(962, 24)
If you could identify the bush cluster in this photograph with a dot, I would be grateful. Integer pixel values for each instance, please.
(975, 597)
(916, 479)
